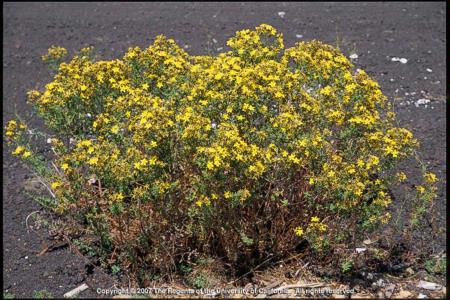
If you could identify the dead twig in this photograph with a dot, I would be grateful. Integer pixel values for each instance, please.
(55, 245)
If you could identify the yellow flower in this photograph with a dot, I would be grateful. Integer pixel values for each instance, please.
(323, 227)
(93, 161)
(55, 185)
(315, 219)
(18, 150)
(430, 177)
(115, 129)
(420, 189)
(298, 231)
(401, 176)
(64, 166)
(26, 154)
(227, 195)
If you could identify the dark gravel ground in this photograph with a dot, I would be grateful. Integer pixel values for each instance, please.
(375, 31)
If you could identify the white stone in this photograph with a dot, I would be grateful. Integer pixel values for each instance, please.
(354, 56)
(429, 285)
(421, 296)
(281, 14)
(421, 101)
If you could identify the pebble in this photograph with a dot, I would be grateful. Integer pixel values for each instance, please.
(429, 70)
(421, 296)
(401, 60)
(389, 290)
(421, 101)
(281, 14)
(429, 285)
(353, 56)
(299, 36)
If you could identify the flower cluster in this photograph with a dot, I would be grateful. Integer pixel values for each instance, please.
(259, 141)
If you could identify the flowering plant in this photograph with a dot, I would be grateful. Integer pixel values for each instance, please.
(247, 154)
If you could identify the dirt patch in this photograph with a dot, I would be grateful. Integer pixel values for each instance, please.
(376, 32)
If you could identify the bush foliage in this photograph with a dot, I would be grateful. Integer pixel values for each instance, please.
(166, 156)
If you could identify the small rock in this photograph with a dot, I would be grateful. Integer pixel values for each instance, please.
(214, 41)
(429, 285)
(281, 14)
(429, 70)
(401, 60)
(389, 290)
(410, 271)
(353, 56)
(360, 250)
(421, 101)
(422, 296)
(299, 36)
(380, 282)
